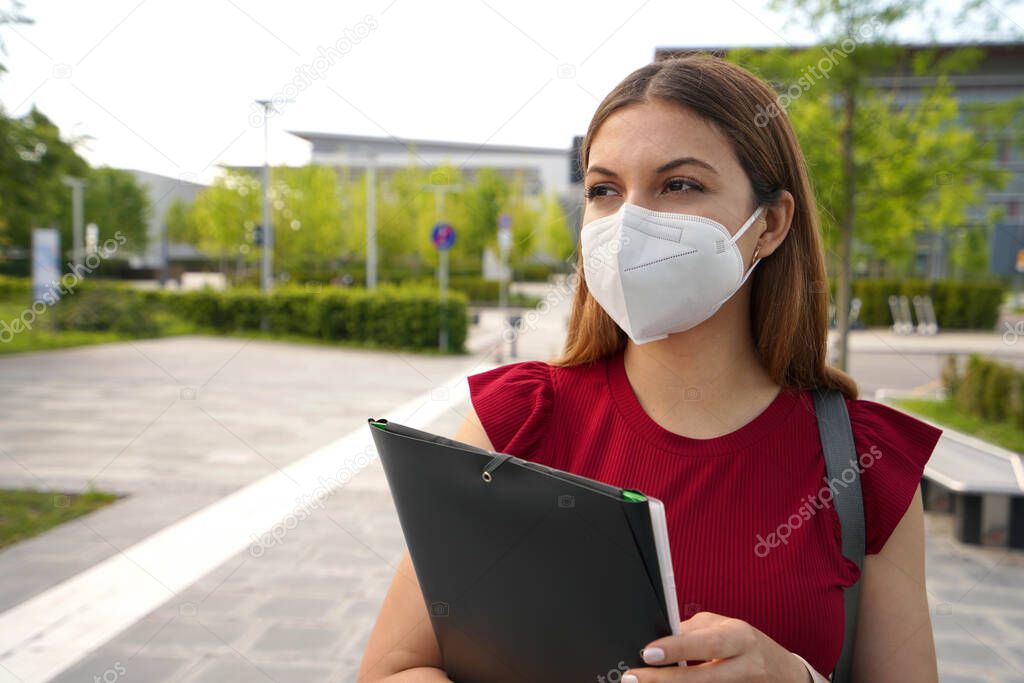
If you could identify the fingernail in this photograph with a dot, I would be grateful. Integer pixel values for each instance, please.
(653, 655)
(630, 678)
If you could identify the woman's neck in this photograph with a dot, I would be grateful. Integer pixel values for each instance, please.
(704, 382)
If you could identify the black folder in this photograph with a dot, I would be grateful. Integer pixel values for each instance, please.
(529, 573)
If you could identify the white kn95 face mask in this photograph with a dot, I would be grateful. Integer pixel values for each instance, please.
(656, 272)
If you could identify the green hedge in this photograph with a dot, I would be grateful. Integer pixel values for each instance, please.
(119, 309)
(15, 287)
(481, 292)
(986, 389)
(477, 289)
(958, 305)
(524, 272)
(396, 275)
(389, 316)
(535, 272)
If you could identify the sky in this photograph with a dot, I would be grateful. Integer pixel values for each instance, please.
(168, 86)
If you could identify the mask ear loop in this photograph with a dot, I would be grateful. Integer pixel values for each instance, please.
(747, 224)
(757, 248)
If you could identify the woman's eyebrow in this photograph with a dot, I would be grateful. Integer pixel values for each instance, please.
(681, 161)
(601, 169)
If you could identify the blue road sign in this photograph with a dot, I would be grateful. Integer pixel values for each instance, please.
(443, 236)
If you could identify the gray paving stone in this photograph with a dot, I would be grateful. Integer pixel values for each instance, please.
(186, 632)
(298, 607)
(976, 654)
(292, 638)
(113, 668)
(237, 670)
(999, 597)
(948, 678)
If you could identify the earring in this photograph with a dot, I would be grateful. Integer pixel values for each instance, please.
(754, 257)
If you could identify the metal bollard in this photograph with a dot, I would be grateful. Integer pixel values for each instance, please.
(514, 322)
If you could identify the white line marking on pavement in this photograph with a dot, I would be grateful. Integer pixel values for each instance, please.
(46, 634)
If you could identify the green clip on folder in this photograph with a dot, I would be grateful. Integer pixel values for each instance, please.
(529, 573)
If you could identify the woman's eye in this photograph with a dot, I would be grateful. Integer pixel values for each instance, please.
(682, 185)
(598, 191)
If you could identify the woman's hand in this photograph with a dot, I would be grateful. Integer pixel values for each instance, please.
(731, 649)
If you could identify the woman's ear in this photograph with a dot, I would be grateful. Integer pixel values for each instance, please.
(778, 217)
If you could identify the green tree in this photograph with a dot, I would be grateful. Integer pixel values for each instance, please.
(319, 216)
(11, 15)
(114, 201)
(353, 216)
(406, 212)
(524, 212)
(482, 202)
(555, 239)
(306, 213)
(306, 205)
(176, 221)
(223, 217)
(34, 160)
(881, 169)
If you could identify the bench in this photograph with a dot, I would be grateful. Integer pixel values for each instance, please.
(981, 484)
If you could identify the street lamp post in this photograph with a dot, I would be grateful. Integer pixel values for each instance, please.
(77, 186)
(268, 230)
(371, 219)
(504, 246)
(442, 270)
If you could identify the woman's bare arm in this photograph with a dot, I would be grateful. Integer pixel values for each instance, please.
(894, 630)
(402, 645)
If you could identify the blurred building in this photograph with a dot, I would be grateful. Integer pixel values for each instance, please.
(163, 191)
(998, 77)
(542, 169)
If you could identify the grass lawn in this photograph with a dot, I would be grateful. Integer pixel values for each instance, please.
(27, 513)
(944, 412)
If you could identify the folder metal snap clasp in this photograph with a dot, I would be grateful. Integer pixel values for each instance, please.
(493, 464)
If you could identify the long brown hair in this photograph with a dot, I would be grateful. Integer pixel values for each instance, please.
(789, 292)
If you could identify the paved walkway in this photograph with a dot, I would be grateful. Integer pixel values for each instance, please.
(185, 420)
(178, 424)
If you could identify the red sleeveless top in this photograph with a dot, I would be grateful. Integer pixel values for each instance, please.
(752, 535)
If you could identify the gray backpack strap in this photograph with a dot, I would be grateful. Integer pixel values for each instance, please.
(840, 460)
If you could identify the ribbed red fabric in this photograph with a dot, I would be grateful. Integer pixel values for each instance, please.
(729, 500)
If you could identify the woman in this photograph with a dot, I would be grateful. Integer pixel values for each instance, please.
(686, 376)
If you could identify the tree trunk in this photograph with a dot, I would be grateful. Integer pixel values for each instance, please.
(843, 286)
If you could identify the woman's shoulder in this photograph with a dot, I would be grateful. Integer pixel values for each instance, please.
(892, 448)
(516, 401)
(526, 377)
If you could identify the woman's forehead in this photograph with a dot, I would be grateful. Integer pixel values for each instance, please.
(652, 133)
